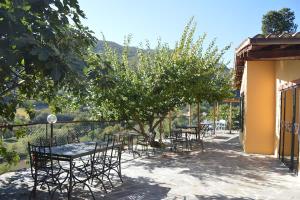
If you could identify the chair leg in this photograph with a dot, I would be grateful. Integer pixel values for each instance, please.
(119, 169)
(33, 192)
(101, 181)
(109, 179)
(120, 174)
(35, 185)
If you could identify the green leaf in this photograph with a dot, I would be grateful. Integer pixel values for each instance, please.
(56, 74)
(26, 7)
(43, 55)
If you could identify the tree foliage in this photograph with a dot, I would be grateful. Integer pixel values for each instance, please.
(277, 22)
(140, 93)
(162, 80)
(203, 73)
(40, 50)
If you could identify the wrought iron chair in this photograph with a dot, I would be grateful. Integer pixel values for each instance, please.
(99, 165)
(43, 169)
(72, 138)
(107, 160)
(85, 172)
(143, 142)
(47, 141)
(114, 157)
(177, 139)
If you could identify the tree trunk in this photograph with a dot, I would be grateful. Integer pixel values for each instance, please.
(214, 118)
(217, 111)
(152, 132)
(190, 117)
(170, 122)
(198, 114)
(230, 117)
(142, 129)
(160, 131)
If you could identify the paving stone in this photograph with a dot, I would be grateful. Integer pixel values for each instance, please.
(221, 172)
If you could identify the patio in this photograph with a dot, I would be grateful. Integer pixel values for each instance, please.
(222, 171)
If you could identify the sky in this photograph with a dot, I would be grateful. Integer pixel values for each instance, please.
(229, 21)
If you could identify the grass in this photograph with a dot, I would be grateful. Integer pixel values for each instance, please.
(4, 167)
(11, 140)
(22, 113)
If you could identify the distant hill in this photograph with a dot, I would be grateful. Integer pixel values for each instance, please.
(132, 51)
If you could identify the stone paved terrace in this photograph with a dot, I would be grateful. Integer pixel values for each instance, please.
(221, 172)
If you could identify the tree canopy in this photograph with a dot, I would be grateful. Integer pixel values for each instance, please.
(277, 22)
(162, 80)
(42, 43)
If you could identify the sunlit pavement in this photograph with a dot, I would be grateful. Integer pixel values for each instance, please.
(221, 171)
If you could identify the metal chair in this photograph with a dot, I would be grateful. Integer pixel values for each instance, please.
(72, 138)
(43, 169)
(114, 157)
(84, 173)
(143, 142)
(99, 166)
(108, 160)
(47, 141)
(177, 139)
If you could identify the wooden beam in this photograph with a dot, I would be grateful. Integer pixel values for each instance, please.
(278, 54)
(232, 100)
(285, 46)
(274, 41)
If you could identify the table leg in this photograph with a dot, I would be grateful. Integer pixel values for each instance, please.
(70, 179)
(130, 146)
(186, 140)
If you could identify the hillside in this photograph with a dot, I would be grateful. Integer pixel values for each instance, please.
(132, 51)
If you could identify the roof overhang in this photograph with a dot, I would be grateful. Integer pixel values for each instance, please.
(271, 47)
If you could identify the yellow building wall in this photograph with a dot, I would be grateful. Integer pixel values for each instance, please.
(261, 86)
(287, 70)
(260, 117)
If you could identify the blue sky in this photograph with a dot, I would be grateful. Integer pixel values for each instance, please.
(229, 21)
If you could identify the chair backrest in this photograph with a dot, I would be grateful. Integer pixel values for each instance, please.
(142, 138)
(97, 156)
(46, 141)
(176, 133)
(40, 158)
(109, 138)
(113, 148)
(72, 137)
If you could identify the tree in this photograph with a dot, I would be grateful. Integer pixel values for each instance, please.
(277, 22)
(40, 50)
(142, 94)
(204, 76)
(162, 80)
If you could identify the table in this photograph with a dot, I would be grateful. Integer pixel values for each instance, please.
(186, 129)
(69, 152)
